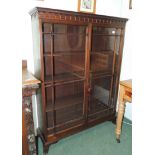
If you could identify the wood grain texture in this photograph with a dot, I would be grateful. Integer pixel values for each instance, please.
(126, 83)
(29, 86)
(125, 95)
(28, 78)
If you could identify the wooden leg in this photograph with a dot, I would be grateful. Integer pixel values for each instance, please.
(46, 148)
(121, 108)
(114, 120)
(36, 138)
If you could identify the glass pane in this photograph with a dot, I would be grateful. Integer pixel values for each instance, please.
(49, 117)
(103, 43)
(71, 113)
(69, 67)
(47, 43)
(114, 92)
(69, 102)
(99, 95)
(103, 38)
(48, 95)
(66, 102)
(47, 68)
(103, 46)
(117, 45)
(67, 94)
(69, 38)
(69, 52)
(101, 62)
(66, 68)
(64, 52)
(106, 31)
(47, 28)
(118, 31)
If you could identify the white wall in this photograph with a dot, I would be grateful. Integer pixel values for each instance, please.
(105, 7)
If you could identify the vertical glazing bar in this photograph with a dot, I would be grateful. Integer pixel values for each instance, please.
(52, 70)
(113, 69)
(87, 68)
(119, 65)
(43, 78)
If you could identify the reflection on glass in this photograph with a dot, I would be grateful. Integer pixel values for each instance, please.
(99, 96)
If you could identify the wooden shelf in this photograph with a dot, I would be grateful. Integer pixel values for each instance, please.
(68, 54)
(62, 54)
(77, 66)
(64, 77)
(65, 102)
(97, 72)
(70, 116)
(95, 106)
(110, 35)
(95, 75)
(69, 78)
(73, 77)
(65, 120)
(102, 51)
(74, 34)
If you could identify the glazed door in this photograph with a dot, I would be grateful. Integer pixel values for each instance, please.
(104, 48)
(64, 75)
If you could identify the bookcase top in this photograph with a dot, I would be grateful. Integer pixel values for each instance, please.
(50, 10)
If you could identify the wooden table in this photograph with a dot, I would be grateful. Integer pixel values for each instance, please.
(29, 86)
(125, 95)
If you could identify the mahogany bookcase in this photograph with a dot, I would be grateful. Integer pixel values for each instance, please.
(77, 57)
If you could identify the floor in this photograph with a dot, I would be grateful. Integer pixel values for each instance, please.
(98, 140)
